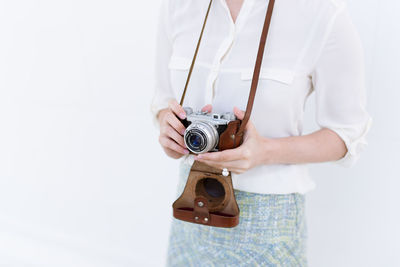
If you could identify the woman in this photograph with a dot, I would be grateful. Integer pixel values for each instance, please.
(312, 46)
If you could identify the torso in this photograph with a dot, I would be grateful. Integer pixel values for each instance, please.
(225, 63)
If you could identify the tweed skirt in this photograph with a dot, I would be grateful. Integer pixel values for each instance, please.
(272, 232)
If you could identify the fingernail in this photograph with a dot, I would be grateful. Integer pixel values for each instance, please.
(183, 132)
(182, 115)
(186, 151)
(199, 156)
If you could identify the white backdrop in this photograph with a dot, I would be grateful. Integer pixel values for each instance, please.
(83, 181)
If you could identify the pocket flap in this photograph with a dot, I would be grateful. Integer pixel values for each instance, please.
(279, 75)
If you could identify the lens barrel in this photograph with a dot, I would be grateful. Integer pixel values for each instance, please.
(201, 137)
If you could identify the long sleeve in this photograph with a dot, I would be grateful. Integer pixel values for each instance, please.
(162, 86)
(339, 83)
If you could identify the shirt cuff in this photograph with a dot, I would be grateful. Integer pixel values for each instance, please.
(354, 145)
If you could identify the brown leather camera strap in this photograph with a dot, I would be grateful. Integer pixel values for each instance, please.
(195, 54)
(257, 67)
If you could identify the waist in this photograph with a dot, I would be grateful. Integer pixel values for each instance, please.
(275, 179)
(268, 179)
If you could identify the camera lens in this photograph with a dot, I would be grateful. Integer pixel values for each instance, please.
(195, 141)
(201, 137)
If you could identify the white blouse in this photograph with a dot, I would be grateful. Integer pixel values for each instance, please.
(312, 46)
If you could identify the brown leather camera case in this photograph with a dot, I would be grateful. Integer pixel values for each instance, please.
(197, 205)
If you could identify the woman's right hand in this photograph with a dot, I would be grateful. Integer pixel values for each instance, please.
(172, 130)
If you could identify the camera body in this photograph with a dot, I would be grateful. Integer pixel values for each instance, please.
(203, 130)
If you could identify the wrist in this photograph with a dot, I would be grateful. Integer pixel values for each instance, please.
(272, 149)
(160, 113)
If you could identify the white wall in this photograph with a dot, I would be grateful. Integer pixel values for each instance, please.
(354, 215)
(83, 181)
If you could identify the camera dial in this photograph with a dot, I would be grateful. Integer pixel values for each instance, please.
(188, 110)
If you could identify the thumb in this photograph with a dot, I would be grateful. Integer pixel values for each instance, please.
(249, 126)
(238, 113)
(207, 108)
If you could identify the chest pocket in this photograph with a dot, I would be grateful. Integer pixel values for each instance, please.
(178, 71)
(276, 92)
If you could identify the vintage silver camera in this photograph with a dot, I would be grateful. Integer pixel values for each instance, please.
(204, 129)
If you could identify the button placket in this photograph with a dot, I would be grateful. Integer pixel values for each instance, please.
(226, 46)
(222, 52)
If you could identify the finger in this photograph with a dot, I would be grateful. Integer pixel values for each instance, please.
(174, 135)
(232, 166)
(177, 109)
(213, 164)
(226, 155)
(217, 165)
(176, 124)
(172, 154)
(238, 113)
(169, 143)
(207, 108)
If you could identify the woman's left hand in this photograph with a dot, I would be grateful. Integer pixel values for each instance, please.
(254, 151)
